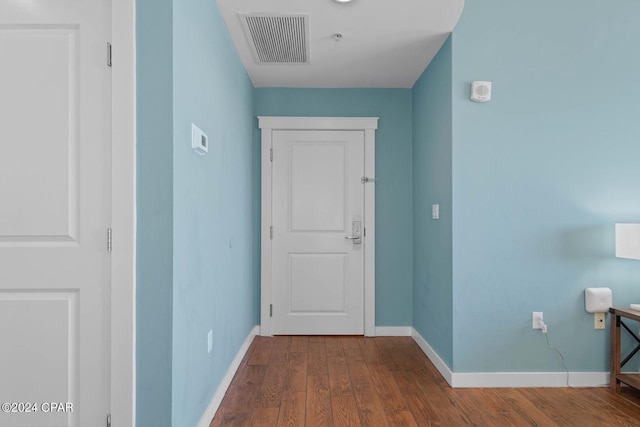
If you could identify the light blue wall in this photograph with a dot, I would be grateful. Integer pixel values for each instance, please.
(432, 173)
(530, 186)
(154, 270)
(394, 245)
(214, 233)
(540, 175)
(197, 238)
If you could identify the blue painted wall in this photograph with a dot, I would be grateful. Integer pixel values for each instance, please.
(394, 240)
(154, 241)
(432, 184)
(197, 238)
(540, 175)
(529, 185)
(214, 233)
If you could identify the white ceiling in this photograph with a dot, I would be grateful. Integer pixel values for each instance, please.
(385, 44)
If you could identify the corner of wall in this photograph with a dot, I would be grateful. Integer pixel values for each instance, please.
(432, 185)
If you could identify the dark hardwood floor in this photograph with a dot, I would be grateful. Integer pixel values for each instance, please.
(388, 381)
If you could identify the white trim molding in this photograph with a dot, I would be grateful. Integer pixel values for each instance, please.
(123, 214)
(318, 123)
(393, 331)
(529, 379)
(270, 124)
(431, 354)
(210, 412)
(509, 379)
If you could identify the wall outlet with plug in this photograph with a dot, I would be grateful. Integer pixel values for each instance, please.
(537, 321)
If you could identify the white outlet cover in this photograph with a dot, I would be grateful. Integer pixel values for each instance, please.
(537, 317)
(210, 341)
(599, 320)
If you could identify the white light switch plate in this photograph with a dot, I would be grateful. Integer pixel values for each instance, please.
(435, 211)
(199, 140)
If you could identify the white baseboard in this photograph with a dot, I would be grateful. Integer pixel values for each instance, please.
(509, 379)
(393, 331)
(433, 356)
(529, 379)
(210, 412)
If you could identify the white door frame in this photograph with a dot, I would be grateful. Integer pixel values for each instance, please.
(369, 126)
(123, 214)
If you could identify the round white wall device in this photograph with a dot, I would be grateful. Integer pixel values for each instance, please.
(480, 91)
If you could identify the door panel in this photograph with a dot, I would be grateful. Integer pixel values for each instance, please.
(45, 350)
(317, 187)
(318, 282)
(55, 163)
(43, 207)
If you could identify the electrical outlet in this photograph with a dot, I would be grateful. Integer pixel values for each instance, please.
(599, 320)
(210, 341)
(536, 320)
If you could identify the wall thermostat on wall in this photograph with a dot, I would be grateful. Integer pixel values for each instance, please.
(480, 91)
(199, 140)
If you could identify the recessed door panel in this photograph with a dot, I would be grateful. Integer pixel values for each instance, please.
(318, 192)
(39, 150)
(39, 352)
(318, 283)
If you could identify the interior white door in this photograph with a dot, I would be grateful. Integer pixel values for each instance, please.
(55, 162)
(318, 205)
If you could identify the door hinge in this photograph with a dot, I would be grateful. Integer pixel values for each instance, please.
(365, 232)
(109, 420)
(108, 54)
(109, 239)
(270, 310)
(271, 232)
(271, 154)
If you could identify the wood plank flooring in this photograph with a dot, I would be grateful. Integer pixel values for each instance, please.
(388, 381)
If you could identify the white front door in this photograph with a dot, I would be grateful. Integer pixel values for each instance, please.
(55, 184)
(318, 257)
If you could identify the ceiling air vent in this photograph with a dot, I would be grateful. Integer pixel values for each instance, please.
(277, 39)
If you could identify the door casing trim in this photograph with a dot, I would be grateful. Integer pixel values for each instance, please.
(366, 124)
(123, 214)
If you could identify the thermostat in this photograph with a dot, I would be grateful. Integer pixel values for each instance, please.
(199, 140)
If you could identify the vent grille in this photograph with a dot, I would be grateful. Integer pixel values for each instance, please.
(277, 39)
